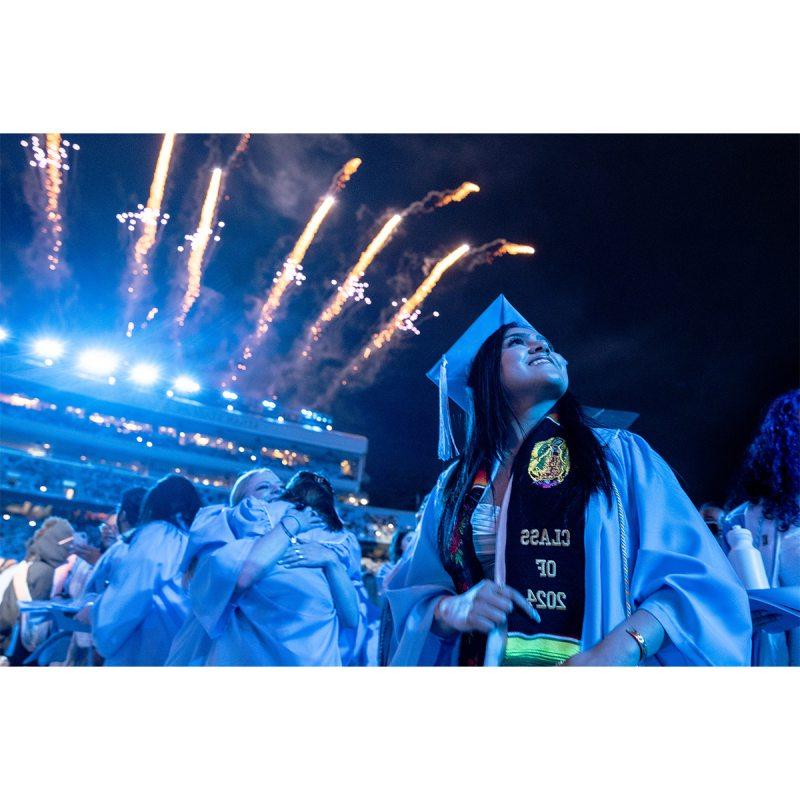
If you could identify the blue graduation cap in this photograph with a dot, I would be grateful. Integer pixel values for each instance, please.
(451, 371)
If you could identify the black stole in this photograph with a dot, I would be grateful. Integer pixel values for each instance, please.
(544, 557)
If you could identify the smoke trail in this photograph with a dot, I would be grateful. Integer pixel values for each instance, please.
(434, 200)
(241, 147)
(199, 243)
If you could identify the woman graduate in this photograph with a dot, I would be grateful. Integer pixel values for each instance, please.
(769, 485)
(144, 605)
(550, 542)
(268, 581)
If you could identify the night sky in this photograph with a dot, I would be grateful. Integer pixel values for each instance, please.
(666, 272)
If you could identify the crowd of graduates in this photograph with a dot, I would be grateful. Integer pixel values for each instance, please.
(273, 577)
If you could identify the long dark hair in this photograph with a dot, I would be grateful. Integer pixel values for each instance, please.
(770, 474)
(131, 504)
(308, 488)
(491, 426)
(173, 499)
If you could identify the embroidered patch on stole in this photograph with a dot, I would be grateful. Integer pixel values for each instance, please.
(549, 464)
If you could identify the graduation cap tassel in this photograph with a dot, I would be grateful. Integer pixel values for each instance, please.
(447, 443)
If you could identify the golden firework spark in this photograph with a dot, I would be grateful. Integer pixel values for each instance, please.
(511, 249)
(351, 285)
(50, 162)
(200, 238)
(150, 217)
(292, 269)
(457, 195)
(53, 190)
(243, 142)
(408, 309)
(241, 147)
(152, 211)
(402, 319)
(345, 173)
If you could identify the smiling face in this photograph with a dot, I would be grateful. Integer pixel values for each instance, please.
(530, 369)
(263, 484)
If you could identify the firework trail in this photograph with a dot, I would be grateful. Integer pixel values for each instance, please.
(344, 175)
(353, 285)
(150, 217)
(50, 163)
(199, 243)
(244, 143)
(434, 200)
(292, 268)
(488, 252)
(403, 318)
(408, 313)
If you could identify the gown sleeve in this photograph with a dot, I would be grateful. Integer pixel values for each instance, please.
(221, 540)
(150, 562)
(100, 576)
(413, 591)
(680, 574)
(351, 640)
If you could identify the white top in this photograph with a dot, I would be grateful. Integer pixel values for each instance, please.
(484, 535)
(781, 553)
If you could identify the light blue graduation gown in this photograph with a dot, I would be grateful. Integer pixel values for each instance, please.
(286, 618)
(105, 567)
(144, 605)
(677, 571)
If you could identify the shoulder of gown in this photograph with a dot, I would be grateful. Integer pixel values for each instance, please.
(680, 574)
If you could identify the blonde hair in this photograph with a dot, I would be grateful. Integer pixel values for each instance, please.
(238, 489)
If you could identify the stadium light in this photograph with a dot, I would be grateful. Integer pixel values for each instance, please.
(4, 334)
(229, 395)
(144, 374)
(48, 349)
(98, 362)
(186, 385)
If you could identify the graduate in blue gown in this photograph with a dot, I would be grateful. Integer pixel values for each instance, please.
(136, 617)
(115, 539)
(269, 578)
(550, 542)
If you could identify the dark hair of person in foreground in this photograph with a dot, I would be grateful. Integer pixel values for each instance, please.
(173, 499)
(131, 504)
(308, 488)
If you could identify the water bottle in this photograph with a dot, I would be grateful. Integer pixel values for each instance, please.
(745, 559)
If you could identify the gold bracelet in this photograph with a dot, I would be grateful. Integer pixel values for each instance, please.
(640, 640)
